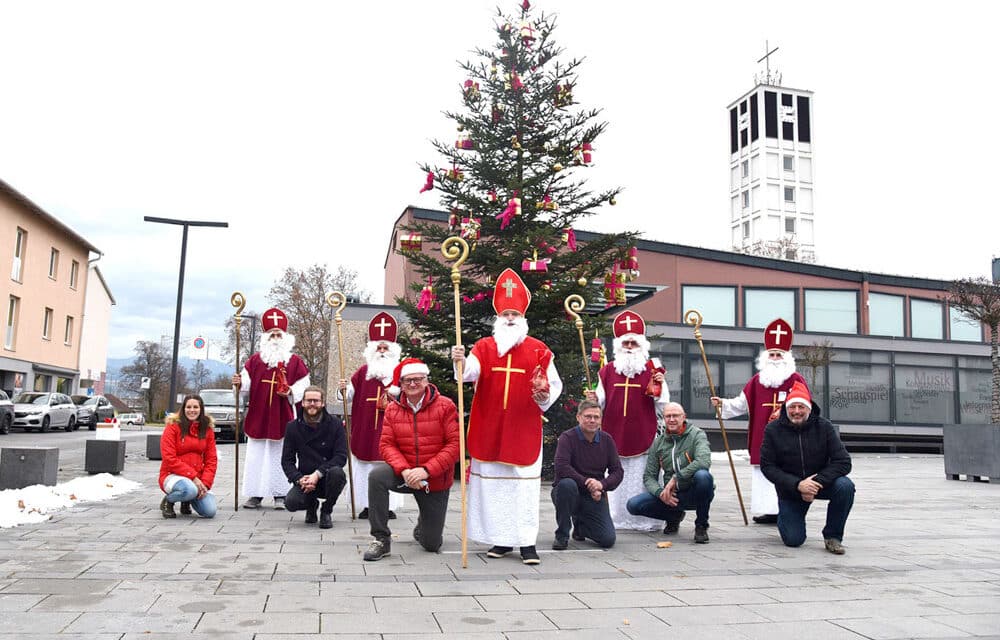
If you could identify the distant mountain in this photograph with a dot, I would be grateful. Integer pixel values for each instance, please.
(215, 367)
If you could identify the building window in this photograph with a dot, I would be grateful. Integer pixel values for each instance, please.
(746, 199)
(761, 306)
(789, 225)
(925, 395)
(860, 391)
(20, 240)
(745, 168)
(74, 274)
(54, 263)
(789, 194)
(926, 319)
(963, 327)
(10, 332)
(885, 315)
(68, 337)
(47, 325)
(831, 311)
(717, 305)
(746, 230)
(788, 162)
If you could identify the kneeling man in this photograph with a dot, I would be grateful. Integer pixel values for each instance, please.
(682, 452)
(803, 456)
(313, 458)
(587, 468)
(419, 443)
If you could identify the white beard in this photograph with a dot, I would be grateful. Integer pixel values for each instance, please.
(772, 373)
(382, 365)
(273, 351)
(630, 362)
(509, 336)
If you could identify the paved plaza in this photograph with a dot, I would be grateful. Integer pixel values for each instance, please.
(923, 561)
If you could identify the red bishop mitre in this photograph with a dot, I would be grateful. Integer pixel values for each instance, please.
(510, 293)
(274, 318)
(382, 328)
(778, 336)
(628, 322)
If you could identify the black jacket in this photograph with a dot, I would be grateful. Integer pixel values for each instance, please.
(790, 454)
(321, 447)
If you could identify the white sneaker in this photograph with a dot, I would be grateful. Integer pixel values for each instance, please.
(279, 503)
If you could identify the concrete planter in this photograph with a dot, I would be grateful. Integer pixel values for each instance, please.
(23, 467)
(153, 447)
(973, 451)
(105, 456)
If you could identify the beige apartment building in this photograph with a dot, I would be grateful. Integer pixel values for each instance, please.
(44, 271)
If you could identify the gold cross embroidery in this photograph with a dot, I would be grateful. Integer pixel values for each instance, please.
(627, 386)
(506, 384)
(775, 407)
(273, 381)
(378, 396)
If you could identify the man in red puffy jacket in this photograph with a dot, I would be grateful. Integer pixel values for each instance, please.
(419, 443)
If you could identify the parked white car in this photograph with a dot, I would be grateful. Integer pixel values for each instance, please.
(131, 419)
(34, 411)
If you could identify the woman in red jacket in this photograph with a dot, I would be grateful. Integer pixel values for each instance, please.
(189, 461)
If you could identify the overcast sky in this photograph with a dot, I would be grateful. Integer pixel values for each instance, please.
(302, 123)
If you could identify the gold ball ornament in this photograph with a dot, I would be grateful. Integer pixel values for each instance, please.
(581, 281)
(557, 167)
(546, 286)
(612, 202)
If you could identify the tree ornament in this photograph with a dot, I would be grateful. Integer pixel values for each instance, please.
(527, 34)
(534, 265)
(497, 113)
(569, 238)
(583, 154)
(464, 142)
(525, 5)
(491, 196)
(428, 300)
(513, 209)
(614, 288)
(470, 89)
(547, 204)
(429, 183)
(455, 174)
(471, 228)
(515, 143)
(557, 167)
(581, 281)
(595, 349)
(612, 201)
(630, 263)
(546, 285)
(563, 96)
(411, 242)
(479, 297)
(453, 219)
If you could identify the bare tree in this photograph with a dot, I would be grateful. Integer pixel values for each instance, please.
(302, 295)
(221, 381)
(815, 356)
(151, 361)
(979, 300)
(198, 375)
(250, 331)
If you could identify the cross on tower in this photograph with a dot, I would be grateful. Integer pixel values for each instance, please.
(381, 325)
(628, 321)
(509, 285)
(275, 317)
(766, 59)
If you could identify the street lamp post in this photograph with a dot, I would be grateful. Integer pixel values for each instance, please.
(180, 290)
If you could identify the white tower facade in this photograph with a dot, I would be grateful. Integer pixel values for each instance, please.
(771, 169)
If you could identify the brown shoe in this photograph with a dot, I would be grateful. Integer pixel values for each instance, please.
(833, 546)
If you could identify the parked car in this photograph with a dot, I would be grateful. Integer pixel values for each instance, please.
(131, 418)
(92, 409)
(6, 412)
(35, 411)
(220, 405)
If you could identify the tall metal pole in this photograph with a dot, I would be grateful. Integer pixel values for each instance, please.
(180, 291)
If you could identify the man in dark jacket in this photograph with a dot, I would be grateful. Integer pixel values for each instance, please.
(419, 444)
(584, 454)
(803, 456)
(313, 458)
(683, 454)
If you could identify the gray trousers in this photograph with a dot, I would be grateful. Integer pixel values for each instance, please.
(433, 507)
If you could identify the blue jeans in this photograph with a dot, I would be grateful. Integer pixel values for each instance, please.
(792, 513)
(697, 497)
(592, 517)
(185, 491)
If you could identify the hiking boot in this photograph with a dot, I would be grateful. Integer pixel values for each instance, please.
(577, 534)
(498, 551)
(673, 526)
(701, 535)
(560, 544)
(253, 503)
(377, 550)
(185, 508)
(325, 520)
(768, 518)
(167, 508)
(529, 555)
(833, 546)
(311, 516)
(279, 503)
(416, 531)
(364, 514)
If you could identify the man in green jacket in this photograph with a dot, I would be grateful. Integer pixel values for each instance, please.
(682, 452)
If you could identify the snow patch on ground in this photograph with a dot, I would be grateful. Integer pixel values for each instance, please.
(38, 502)
(738, 454)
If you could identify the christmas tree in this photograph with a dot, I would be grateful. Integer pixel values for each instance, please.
(514, 182)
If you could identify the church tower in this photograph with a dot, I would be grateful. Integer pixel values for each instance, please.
(771, 169)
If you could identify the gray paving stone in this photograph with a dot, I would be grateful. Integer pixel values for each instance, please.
(530, 602)
(812, 629)
(472, 622)
(267, 587)
(694, 615)
(19, 601)
(413, 622)
(323, 604)
(112, 601)
(200, 603)
(61, 586)
(628, 599)
(979, 624)
(123, 622)
(466, 587)
(426, 603)
(315, 636)
(884, 628)
(713, 631)
(559, 586)
(222, 621)
(624, 618)
(330, 590)
(575, 634)
(720, 596)
(846, 609)
(25, 622)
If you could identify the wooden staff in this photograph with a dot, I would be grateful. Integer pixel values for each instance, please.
(457, 249)
(573, 304)
(338, 301)
(693, 317)
(239, 302)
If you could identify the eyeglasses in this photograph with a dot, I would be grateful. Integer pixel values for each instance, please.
(413, 381)
(312, 401)
(629, 343)
(590, 417)
(673, 416)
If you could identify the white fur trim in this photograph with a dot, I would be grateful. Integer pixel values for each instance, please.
(414, 367)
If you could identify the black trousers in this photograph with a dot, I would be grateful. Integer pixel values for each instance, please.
(329, 488)
(433, 507)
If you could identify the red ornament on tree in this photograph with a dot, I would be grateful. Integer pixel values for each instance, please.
(429, 183)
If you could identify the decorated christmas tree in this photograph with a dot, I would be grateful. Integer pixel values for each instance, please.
(514, 181)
